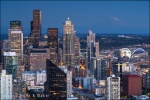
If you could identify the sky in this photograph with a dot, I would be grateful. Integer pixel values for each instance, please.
(98, 16)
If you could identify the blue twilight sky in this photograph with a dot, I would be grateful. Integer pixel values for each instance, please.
(98, 16)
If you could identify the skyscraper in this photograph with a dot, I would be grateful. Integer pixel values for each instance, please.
(68, 43)
(35, 35)
(5, 86)
(60, 56)
(15, 36)
(10, 62)
(90, 49)
(132, 85)
(53, 44)
(56, 84)
(113, 88)
(77, 49)
(97, 49)
(98, 69)
(69, 80)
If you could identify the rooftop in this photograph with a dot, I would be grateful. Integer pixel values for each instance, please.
(10, 54)
(132, 75)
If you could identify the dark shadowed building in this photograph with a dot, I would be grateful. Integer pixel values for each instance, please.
(56, 84)
(53, 44)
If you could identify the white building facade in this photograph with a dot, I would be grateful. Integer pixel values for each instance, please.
(6, 86)
(40, 77)
(69, 80)
(113, 88)
(34, 78)
(68, 43)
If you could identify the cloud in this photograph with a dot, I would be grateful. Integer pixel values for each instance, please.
(116, 20)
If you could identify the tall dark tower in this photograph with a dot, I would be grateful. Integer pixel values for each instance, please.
(53, 44)
(35, 35)
(53, 38)
(31, 25)
(37, 21)
(56, 84)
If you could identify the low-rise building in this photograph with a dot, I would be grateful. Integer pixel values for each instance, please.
(34, 78)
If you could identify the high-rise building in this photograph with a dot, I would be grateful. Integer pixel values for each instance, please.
(59, 56)
(132, 85)
(35, 36)
(15, 24)
(56, 84)
(90, 49)
(53, 38)
(69, 80)
(98, 69)
(38, 56)
(68, 43)
(146, 79)
(103, 66)
(16, 38)
(92, 66)
(77, 50)
(113, 88)
(97, 49)
(53, 44)
(10, 62)
(5, 86)
(95, 70)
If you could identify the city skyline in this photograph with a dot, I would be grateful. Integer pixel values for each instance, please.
(98, 16)
(79, 50)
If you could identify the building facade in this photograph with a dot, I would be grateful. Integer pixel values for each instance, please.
(6, 46)
(16, 38)
(69, 80)
(34, 78)
(60, 56)
(132, 85)
(38, 56)
(15, 24)
(6, 86)
(53, 44)
(77, 50)
(97, 49)
(10, 62)
(56, 84)
(113, 87)
(146, 79)
(91, 50)
(68, 43)
(35, 36)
